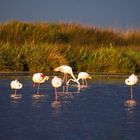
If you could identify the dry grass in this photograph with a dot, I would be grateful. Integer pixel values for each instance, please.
(43, 46)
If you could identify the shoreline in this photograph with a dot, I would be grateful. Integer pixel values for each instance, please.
(93, 74)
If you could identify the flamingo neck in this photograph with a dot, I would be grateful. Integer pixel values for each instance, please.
(76, 80)
(73, 76)
(45, 78)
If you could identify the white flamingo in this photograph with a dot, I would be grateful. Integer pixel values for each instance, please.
(15, 84)
(66, 70)
(82, 75)
(56, 83)
(39, 78)
(130, 81)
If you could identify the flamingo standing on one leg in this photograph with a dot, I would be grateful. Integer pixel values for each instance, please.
(132, 80)
(39, 78)
(56, 83)
(66, 70)
(15, 84)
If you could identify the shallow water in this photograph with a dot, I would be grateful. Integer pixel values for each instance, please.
(98, 112)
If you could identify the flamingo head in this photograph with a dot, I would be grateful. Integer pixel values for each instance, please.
(43, 76)
(131, 80)
(57, 69)
(15, 84)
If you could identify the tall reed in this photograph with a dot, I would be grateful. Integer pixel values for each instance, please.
(30, 57)
(106, 59)
(43, 46)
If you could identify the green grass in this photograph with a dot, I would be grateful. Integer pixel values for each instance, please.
(104, 59)
(30, 57)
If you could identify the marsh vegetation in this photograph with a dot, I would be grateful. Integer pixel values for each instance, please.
(43, 46)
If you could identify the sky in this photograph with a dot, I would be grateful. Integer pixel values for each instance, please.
(100, 13)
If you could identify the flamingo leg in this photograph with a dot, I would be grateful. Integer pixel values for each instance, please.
(38, 87)
(63, 89)
(66, 89)
(83, 82)
(78, 89)
(131, 94)
(86, 82)
(56, 97)
(15, 92)
(66, 84)
(63, 84)
(64, 77)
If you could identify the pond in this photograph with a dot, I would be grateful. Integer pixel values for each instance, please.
(98, 112)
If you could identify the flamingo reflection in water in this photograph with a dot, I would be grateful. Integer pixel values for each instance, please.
(15, 84)
(131, 81)
(39, 78)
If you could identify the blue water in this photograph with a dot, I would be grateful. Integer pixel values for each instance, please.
(98, 112)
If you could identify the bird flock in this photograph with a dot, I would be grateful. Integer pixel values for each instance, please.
(57, 82)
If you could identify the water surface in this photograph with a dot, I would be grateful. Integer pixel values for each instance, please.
(99, 112)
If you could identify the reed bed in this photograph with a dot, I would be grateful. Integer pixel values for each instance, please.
(43, 46)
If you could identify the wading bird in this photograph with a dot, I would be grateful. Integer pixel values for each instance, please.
(56, 83)
(66, 70)
(39, 78)
(130, 81)
(15, 84)
(82, 75)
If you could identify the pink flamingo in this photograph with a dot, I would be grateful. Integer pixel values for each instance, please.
(130, 81)
(82, 75)
(15, 84)
(39, 78)
(66, 70)
(56, 83)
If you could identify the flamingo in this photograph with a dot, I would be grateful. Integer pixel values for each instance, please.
(66, 70)
(15, 84)
(39, 78)
(130, 81)
(82, 75)
(56, 83)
